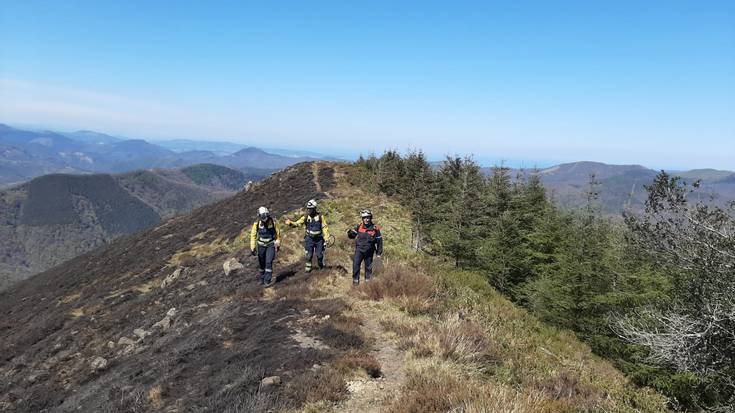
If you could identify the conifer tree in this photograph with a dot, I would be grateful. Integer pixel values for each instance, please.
(460, 210)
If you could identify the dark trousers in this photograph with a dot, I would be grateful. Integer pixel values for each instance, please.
(266, 254)
(313, 245)
(360, 256)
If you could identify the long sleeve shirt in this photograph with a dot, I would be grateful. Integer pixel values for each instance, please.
(315, 226)
(264, 233)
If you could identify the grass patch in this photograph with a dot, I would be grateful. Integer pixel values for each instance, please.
(321, 384)
(200, 251)
(437, 388)
(356, 360)
(409, 288)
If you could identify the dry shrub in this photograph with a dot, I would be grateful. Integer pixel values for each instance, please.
(155, 396)
(343, 333)
(353, 360)
(462, 340)
(324, 383)
(433, 389)
(568, 386)
(414, 305)
(412, 289)
(331, 307)
(401, 328)
(453, 338)
(299, 289)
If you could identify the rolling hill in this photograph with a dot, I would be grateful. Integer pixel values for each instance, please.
(28, 154)
(621, 186)
(56, 217)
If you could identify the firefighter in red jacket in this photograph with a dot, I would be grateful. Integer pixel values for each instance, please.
(368, 242)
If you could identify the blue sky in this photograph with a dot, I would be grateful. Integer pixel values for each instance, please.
(532, 83)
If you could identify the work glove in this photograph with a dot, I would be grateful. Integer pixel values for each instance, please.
(253, 253)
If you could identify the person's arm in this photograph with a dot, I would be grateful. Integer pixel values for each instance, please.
(352, 232)
(299, 222)
(277, 240)
(325, 228)
(278, 231)
(378, 241)
(253, 236)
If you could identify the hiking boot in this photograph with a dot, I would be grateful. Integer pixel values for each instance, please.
(355, 283)
(269, 284)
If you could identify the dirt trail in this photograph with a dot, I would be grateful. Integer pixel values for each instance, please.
(315, 171)
(374, 395)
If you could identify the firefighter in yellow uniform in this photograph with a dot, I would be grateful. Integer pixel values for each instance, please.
(317, 231)
(265, 240)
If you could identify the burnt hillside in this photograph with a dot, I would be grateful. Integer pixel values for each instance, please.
(151, 318)
(54, 218)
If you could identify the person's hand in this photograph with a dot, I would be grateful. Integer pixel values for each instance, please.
(288, 221)
(253, 253)
(379, 255)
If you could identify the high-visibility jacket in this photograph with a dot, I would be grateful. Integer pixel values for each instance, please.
(264, 233)
(315, 226)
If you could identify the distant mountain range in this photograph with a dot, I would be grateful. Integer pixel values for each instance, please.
(27, 154)
(55, 217)
(622, 186)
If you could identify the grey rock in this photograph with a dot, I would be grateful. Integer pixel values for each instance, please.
(141, 334)
(124, 341)
(171, 278)
(270, 382)
(164, 324)
(232, 265)
(99, 363)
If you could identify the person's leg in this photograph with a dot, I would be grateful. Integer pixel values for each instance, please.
(309, 246)
(270, 255)
(261, 262)
(356, 262)
(319, 247)
(368, 265)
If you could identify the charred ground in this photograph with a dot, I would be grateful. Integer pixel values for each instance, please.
(221, 336)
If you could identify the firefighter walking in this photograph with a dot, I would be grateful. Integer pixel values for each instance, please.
(265, 239)
(316, 232)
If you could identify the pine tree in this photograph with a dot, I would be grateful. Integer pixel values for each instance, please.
(417, 194)
(390, 173)
(460, 210)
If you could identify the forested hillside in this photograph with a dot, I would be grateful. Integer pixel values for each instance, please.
(653, 293)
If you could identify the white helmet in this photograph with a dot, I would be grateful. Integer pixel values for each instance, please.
(365, 213)
(263, 213)
(311, 203)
